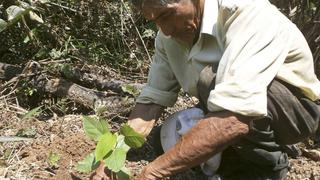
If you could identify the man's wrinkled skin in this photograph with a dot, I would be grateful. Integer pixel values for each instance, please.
(144, 116)
(211, 135)
(182, 21)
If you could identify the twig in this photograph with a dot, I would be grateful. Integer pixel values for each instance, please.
(63, 7)
(53, 61)
(19, 77)
(23, 111)
(13, 139)
(135, 27)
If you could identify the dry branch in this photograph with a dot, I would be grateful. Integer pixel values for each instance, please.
(87, 97)
(8, 71)
(97, 81)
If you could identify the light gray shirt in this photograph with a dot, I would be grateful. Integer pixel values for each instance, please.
(250, 42)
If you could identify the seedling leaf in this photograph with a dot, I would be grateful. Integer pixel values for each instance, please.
(121, 144)
(94, 128)
(116, 160)
(123, 174)
(88, 164)
(106, 143)
(132, 138)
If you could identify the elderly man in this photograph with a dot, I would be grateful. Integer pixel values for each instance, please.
(251, 69)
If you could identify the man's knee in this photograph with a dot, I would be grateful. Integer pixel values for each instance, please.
(293, 116)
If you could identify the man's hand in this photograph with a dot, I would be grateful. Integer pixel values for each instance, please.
(144, 116)
(211, 135)
(142, 126)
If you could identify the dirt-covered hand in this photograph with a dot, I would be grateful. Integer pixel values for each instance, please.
(147, 174)
(141, 126)
(144, 116)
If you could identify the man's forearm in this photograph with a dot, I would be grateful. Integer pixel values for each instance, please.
(144, 116)
(210, 136)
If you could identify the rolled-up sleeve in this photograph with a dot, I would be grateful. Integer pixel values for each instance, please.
(162, 87)
(255, 41)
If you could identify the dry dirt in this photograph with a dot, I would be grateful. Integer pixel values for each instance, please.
(64, 136)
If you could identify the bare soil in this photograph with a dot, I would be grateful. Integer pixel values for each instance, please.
(64, 136)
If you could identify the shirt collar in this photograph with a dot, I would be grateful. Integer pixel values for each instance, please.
(209, 18)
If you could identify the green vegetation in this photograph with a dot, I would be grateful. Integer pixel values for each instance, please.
(111, 148)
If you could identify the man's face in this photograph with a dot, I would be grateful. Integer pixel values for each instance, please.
(178, 19)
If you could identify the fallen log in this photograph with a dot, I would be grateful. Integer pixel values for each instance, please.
(90, 98)
(97, 81)
(101, 83)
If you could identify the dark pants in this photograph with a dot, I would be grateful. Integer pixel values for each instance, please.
(261, 154)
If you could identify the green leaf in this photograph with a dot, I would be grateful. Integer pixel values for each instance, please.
(128, 88)
(42, 53)
(149, 33)
(123, 174)
(88, 164)
(34, 112)
(132, 138)
(67, 70)
(3, 25)
(121, 144)
(53, 158)
(15, 12)
(116, 160)
(55, 54)
(26, 39)
(106, 143)
(94, 128)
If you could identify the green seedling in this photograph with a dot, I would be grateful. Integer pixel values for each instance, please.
(111, 147)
